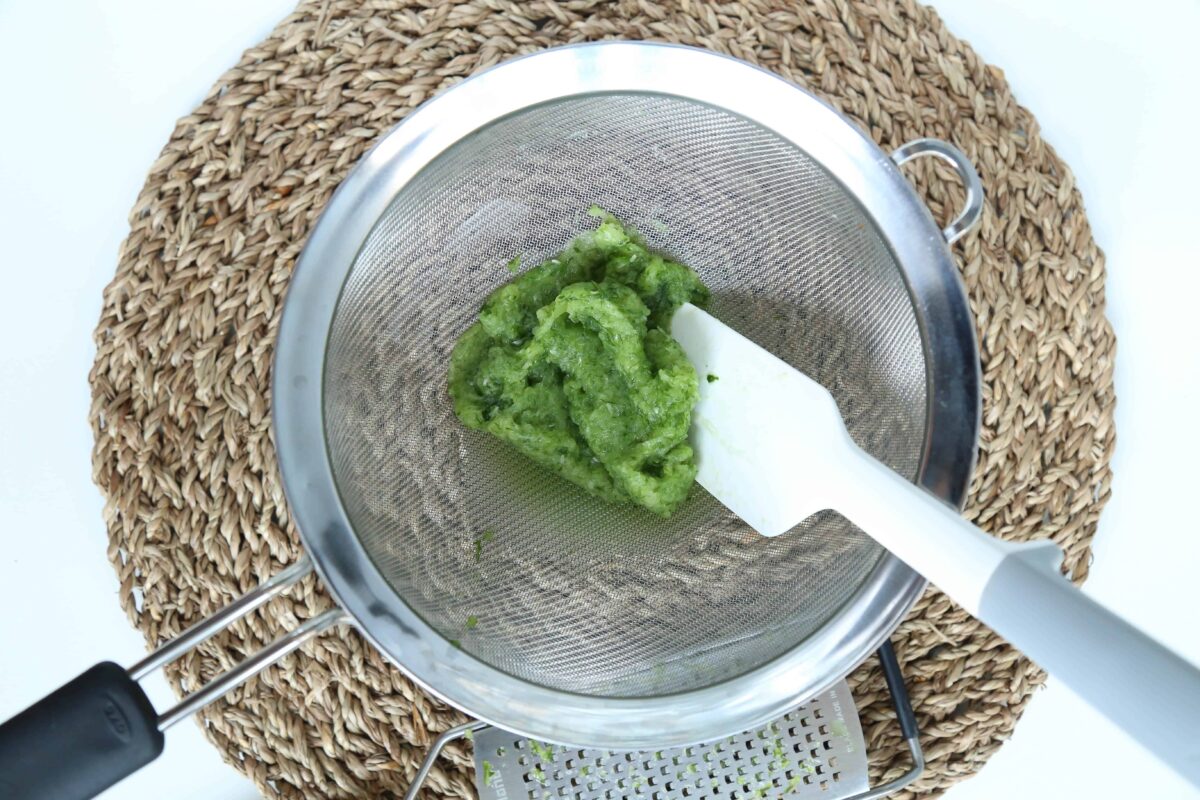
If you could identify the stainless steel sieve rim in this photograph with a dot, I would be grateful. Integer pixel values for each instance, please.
(866, 172)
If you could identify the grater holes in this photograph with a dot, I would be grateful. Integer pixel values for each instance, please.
(771, 768)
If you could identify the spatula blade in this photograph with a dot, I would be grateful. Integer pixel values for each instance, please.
(758, 426)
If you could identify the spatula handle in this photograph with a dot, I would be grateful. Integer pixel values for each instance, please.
(1018, 591)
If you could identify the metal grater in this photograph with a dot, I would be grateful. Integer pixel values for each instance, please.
(816, 750)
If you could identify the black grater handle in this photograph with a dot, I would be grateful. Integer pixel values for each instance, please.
(908, 726)
(899, 692)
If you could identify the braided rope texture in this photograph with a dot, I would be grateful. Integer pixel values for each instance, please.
(181, 383)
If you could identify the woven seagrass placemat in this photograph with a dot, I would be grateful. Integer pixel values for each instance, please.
(196, 512)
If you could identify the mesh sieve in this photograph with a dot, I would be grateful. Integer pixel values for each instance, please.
(568, 592)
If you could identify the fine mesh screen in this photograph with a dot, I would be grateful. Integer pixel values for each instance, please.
(565, 590)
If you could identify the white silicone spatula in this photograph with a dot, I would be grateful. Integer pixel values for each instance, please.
(772, 447)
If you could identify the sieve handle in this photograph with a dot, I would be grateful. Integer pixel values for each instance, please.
(973, 208)
(1017, 590)
(99, 728)
(80, 739)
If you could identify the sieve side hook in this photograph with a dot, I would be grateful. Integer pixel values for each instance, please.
(973, 208)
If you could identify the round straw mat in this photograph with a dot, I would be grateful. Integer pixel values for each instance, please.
(181, 384)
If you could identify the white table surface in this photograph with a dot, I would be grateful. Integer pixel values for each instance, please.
(92, 89)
